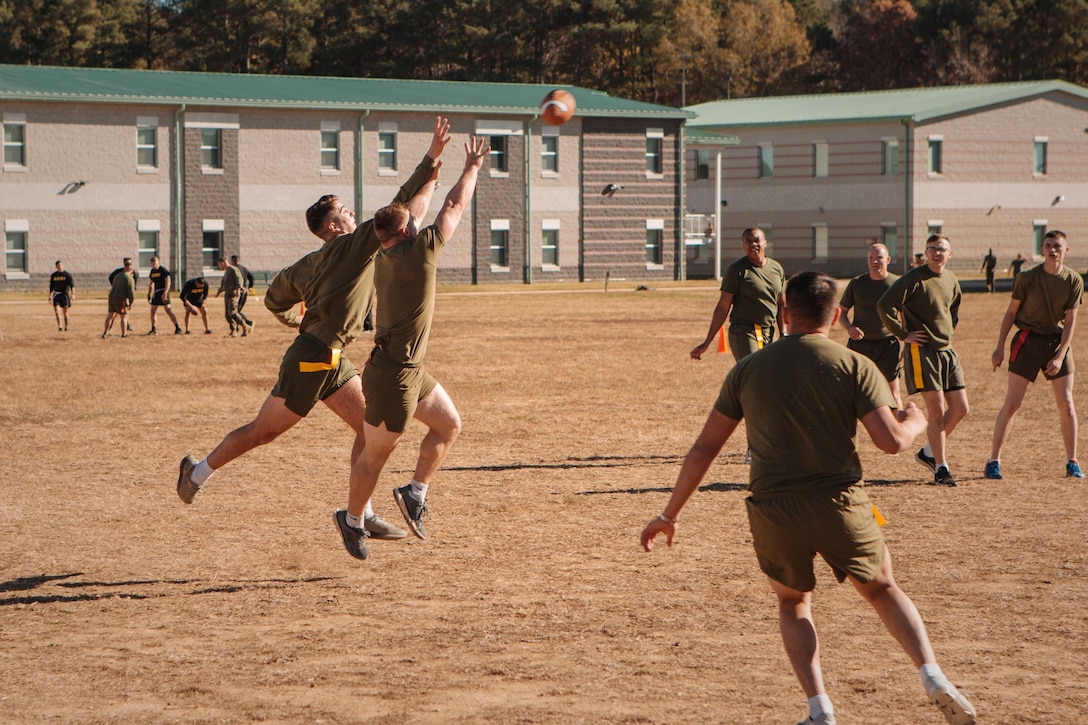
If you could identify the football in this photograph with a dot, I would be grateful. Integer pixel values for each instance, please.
(557, 107)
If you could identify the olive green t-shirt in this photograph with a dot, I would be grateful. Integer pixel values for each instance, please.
(123, 287)
(861, 295)
(803, 395)
(289, 287)
(928, 301)
(755, 291)
(232, 280)
(341, 292)
(1045, 298)
(405, 280)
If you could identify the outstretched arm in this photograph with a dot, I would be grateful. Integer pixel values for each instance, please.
(717, 319)
(421, 202)
(461, 193)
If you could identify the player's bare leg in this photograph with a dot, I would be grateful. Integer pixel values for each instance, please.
(893, 385)
(898, 613)
(273, 419)
(438, 413)
(935, 410)
(1014, 397)
(380, 444)
(1067, 414)
(799, 637)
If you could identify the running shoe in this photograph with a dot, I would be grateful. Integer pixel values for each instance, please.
(956, 708)
(354, 539)
(993, 470)
(379, 528)
(1072, 470)
(413, 509)
(943, 477)
(187, 490)
(928, 461)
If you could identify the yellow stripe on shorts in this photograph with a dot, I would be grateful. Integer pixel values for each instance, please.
(916, 362)
(317, 367)
(759, 335)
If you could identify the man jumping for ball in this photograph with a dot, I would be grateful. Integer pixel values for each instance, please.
(812, 500)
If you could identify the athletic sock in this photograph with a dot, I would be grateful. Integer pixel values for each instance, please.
(928, 450)
(368, 510)
(419, 490)
(202, 472)
(818, 705)
(943, 464)
(931, 675)
(354, 521)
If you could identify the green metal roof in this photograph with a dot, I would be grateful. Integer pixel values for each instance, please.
(703, 137)
(108, 85)
(918, 105)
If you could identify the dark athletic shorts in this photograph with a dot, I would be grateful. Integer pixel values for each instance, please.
(790, 529)
(885, 353)
(310, 372)
(119, 305)
(158, 299)
(1029, 353)
(927, 369)
(61, 300)
(392, 392)
(744, 339)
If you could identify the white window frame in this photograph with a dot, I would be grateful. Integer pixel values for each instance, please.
(549, 225)
(387, 131)
(820, 159)
(147, 123)
(20, 227)
(214, 226)
(212, 121)
(492, 128)
(146, 227)
(655, 153)
(702, 164)
(1038, 233)
(329, 143)
(765, 159)
(889, 160)
(500, 225)
(1044, 143)
(14, 119)
(549, 136)
(820, 244)
(655, 225)
(216, 167)
(935, 142)
(893, 250)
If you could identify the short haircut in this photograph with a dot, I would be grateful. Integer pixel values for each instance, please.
(57, 262)
(234, 258)
(878, 245)
(126, 260)
(750, 231)
(155, 258)
(1056, 234)
(389, 219)
(319, 212)
(938, 238)
(812, 297)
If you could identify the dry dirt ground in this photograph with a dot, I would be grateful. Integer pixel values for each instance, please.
(531, 601)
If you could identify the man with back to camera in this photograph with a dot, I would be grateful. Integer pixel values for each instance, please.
(122, 293)
(929, 298)
(247, 287)
(1044, 307)
(61, 294)
(158, 294)
(337, 284)
(231, 287)
(868, 335)
(813, 500)
(989, 263)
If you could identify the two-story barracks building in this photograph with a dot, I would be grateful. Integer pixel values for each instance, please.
(101, 164)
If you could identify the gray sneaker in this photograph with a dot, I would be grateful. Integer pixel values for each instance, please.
(413, 509)
(187, 490)
(354, 539)
(957, 710)
(379, 528)
(824, 719)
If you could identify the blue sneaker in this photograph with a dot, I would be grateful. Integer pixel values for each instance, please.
(993, 470)
(1072, 470)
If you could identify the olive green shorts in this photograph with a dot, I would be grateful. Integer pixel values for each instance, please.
(928, 370)
(744, 339)
(789, 530)
(119, 305)
(392, 392)
(310, 372)
(885, 353)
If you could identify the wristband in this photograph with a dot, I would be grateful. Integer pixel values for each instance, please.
(666, 519)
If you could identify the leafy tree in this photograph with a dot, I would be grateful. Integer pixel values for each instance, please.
(766, 48)
(689, 56)
(880, 47)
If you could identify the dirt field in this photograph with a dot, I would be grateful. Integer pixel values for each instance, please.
(531, 601)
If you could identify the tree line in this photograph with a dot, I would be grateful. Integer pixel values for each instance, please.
(672, 52)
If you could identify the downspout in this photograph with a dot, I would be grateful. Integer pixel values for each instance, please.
(529, 201)
(179, 199)
(718, 216)
(682, 211)
(359, 166)
(908, 250)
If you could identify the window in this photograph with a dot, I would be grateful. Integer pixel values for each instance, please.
(14, 140)
(498, 157)
(935, 227)
(211, 148)
(387, 148)
(889, 235)
(500, 242)
(1039, 232)
(330, 148)
(213, 243)
(890, 163)
(655, 231)
(148, 242)
(549, 153)
(766, 161)
(655, 139)
(819, 159)
(933, 158)
(819, 242)
(1039, 168)
(147, 142)
(15, 234)
(549, 243)
(702, 164)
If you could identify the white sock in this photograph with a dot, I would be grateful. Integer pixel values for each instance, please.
(928, 450)
(354, 521)
(818, 705)
(942, 464)
(368, 510)
(930, 673)
(419, 490)
(202, 472)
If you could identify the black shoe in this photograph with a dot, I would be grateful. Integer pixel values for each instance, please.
(413, 509)
(928, 461)
(152, 332)
(186, 332)
(177, 330)
(943, 478)
(354, 539)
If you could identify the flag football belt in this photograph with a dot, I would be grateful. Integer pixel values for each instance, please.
(317, 367)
